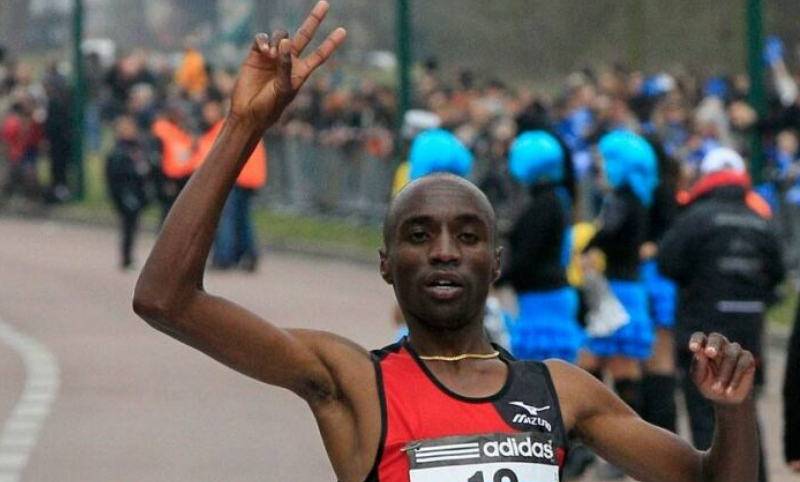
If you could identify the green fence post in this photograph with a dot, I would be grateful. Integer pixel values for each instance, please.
(78, 100)
(404, 59)
(757, 96)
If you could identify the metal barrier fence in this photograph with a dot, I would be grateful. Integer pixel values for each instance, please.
(309, 178)
(306, 177)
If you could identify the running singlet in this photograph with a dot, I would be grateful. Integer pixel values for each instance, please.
(431, 434)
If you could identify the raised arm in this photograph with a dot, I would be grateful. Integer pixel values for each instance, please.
(723, 372)
(335, 376)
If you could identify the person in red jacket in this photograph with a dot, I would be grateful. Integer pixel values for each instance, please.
(21, 136)
(235, 242)
(444, 404)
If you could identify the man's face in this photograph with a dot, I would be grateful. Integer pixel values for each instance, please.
(440, 254)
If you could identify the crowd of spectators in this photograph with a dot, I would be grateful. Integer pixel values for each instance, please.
(687, 115)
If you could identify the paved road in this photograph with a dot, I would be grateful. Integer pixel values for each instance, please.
(89, 393)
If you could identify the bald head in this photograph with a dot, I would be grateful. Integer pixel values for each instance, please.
(436, 191)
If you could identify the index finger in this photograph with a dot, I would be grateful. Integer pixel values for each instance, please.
(306, 31)
(698, 341)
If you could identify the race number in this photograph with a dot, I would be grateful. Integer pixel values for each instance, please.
(522, 457)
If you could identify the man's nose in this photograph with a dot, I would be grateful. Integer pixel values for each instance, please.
(445, 250)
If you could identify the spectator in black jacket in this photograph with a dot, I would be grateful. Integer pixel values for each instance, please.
(128, 169)
(791, 399)
(726, 259)
(59, 133)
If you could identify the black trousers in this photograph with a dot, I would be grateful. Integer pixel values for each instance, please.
(129, 222)
(60, 154)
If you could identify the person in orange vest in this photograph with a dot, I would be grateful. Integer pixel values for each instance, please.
(191, 75)
(176, 156)
(235, 241)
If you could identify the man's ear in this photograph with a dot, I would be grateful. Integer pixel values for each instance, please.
(386, 272)
(498, 255)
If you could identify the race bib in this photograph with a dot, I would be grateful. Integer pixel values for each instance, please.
(521, 457)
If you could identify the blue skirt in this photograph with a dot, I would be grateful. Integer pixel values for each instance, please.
(662, 294)
(635, 339)
(547, 326)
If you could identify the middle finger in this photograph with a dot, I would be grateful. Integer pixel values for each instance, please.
(731, 353)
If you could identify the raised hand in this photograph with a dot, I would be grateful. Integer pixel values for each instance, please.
(273, 70)
(723, 371)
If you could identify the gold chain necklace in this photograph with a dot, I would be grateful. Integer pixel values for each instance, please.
(464, 356)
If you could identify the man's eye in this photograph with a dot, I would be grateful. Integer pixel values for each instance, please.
(419, 236)
(469, 237)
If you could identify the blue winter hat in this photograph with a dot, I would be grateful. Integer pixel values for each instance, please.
(630, 161)
(773, 50)
(536, 156)
(437, 150)
(716, 87)
(657, 85)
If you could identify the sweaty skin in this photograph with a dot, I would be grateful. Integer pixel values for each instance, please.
(440, 255)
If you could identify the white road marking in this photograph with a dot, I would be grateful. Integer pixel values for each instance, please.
(21, 430)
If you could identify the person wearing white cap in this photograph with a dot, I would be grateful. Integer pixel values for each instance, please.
(726, 259)
(722, 159)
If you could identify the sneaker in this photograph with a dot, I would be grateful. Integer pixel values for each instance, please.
(215, 266)
(249, 263)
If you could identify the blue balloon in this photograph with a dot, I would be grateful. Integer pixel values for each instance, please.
(536, 156)
(437, 150)
(631, 161)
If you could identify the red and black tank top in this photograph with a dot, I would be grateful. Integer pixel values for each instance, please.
(431, 434)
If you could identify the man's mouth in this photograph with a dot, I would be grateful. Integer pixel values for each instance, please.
(445, 288)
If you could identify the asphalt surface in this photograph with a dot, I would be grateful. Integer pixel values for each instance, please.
(90, 393)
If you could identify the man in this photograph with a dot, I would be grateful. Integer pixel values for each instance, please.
(440, 255)
(58, 133)
(176, 155)
(726, 259)
(21, 135)
(128, 168)
(235, 243)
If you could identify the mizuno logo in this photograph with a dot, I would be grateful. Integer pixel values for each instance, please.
(534, 411)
